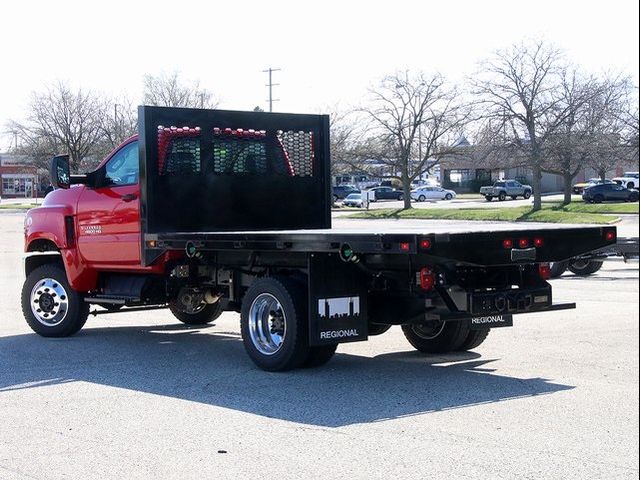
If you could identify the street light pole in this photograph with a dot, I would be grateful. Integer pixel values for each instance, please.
(271, 85)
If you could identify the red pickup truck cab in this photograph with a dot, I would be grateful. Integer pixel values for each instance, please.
(81, 231)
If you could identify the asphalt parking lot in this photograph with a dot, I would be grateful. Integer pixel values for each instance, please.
(140, 395)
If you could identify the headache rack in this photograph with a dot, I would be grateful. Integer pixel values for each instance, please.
(218, 171)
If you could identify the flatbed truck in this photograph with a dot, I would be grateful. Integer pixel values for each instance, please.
(206, 211)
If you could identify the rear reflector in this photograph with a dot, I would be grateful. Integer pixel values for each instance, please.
(507, 243)
(405, 246)
(427, 279)
(523, 243)
(538, 242)
(544, 269)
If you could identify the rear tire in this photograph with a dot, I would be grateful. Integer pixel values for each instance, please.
(598, 199)
(318, 356)
(274, 324)
(377, 329)
(50, 306)
(583, 268)
(208, 314)
(422, 198)
(474, 339)
(438, 337)
(558, 268)
(502, 196)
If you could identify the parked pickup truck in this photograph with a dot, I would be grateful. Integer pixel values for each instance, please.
(207, 211)
(506, 188)
(628, 180)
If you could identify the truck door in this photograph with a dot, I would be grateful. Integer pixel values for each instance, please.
(109, 215)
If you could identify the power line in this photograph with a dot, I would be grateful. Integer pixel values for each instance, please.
(271, 85)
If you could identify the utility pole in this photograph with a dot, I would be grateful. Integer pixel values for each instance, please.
(271, 85)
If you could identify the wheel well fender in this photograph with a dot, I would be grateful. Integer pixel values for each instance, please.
(34, 260)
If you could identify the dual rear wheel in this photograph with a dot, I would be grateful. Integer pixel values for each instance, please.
(274, 326)
(444, 337)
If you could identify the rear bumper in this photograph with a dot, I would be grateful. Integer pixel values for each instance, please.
(467, 316)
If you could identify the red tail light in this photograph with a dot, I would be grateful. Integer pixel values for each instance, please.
(405, 246)
(425, 244)
(544, 269)
(427, 279)
(610, 235)
(538, 242)
(523, 243)
(507, 243)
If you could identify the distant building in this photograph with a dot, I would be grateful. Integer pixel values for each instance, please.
(468, 171)
(18, 177)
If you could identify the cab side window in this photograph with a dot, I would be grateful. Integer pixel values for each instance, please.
(123, 167)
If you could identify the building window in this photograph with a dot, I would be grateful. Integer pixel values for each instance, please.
(19, 186)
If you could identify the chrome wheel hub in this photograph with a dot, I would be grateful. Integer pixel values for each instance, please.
(49, 302)
(267, 324)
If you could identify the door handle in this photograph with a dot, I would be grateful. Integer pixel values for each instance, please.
(129, 197)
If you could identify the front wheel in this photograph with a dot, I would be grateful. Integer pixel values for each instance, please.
(50, 306)
(527, 195)
(205, 313)
(502, 196)
(448, 196)
(422, 198)
(273, 324)
(437, 336)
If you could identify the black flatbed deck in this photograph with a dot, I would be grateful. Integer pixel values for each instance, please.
(475, 244)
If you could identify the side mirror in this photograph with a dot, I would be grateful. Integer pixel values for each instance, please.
(60, 173)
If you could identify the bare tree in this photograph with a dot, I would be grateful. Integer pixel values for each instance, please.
(119, 122)
(614, 143)
(630, 120)
(413, 122)
(169, 90)
(518, 87)
(577, 138)
(343, 141)
(61, 120)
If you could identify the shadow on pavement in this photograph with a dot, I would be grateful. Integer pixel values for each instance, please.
(211, 367)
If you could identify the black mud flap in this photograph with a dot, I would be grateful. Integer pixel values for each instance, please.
(337, 301)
